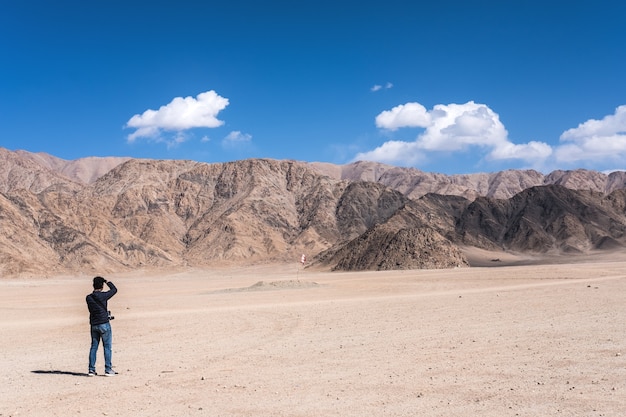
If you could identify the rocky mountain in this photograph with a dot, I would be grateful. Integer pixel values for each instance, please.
(504, 184)
(548, 218)
(100, 215)
(85, 170)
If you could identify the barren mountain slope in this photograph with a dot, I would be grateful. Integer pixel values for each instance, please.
(504, 184)
(21, 248)
(384, 247)
(175, 213)
(84, 170)
(410, 181)
(184, 213)
(414, 237)
(18, 172)
(542, 219)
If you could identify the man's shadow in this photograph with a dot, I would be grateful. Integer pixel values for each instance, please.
(56, 372)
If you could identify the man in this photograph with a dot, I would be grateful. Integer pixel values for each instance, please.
(100, 325)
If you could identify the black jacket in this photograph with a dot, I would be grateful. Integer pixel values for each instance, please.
(98, 313)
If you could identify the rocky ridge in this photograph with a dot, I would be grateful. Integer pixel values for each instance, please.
(101, 215)
(503, 184)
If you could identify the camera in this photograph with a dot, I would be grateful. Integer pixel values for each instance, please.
(110, 316)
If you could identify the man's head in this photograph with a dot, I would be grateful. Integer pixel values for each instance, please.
(98, 283)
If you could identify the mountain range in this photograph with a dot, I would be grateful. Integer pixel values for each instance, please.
(104, 215)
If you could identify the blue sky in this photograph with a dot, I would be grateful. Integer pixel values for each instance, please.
(450, 87)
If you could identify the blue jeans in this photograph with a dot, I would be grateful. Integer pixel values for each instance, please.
(101, 331)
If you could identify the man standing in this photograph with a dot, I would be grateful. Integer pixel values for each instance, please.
(100, 325)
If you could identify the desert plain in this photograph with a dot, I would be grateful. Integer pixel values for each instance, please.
(280, 340)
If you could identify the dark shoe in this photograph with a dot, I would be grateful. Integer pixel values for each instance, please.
(92, 373)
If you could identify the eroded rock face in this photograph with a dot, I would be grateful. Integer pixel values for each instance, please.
(180, 213)
(100, 215)
(414, 183)
(390, 248)
(541, 219)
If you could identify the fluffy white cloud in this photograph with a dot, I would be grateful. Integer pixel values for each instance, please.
(450, 128)
(595, 140)
(404, 115)
(475, 127)
(454, 127)
(531, 151)
(608, 126)
(393, 152)
(178, 115)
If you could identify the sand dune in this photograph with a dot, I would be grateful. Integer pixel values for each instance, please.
(537, 340)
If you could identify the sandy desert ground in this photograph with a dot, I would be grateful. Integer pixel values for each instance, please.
(533, 340)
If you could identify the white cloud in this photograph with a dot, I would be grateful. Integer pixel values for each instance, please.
(595, 140)
(608, 126)
(179, 138)
(454, 127)
(236, 139)
(450, 128)
(237, 136)
(178, 115)
(393, 152)
(532, 151)
(404, 115)
(378, 87)
(474, 127)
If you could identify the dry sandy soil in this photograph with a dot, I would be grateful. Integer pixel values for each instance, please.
(532, 340)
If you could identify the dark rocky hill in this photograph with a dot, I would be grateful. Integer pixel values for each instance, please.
(542, 219)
